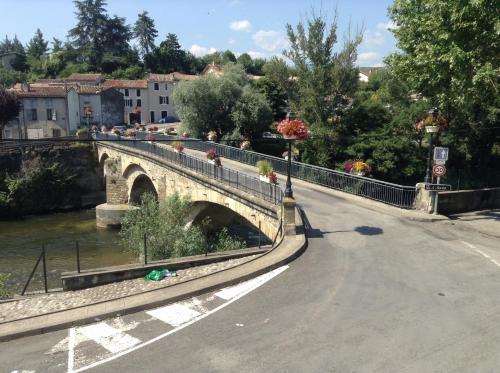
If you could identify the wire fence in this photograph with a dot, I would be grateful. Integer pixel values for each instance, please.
(389, 193)
(241, 181)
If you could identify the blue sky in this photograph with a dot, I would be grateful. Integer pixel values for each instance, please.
(254, 26)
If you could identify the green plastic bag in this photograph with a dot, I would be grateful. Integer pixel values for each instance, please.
(154, 275)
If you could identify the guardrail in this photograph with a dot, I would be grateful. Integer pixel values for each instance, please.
(249, 184)
(378, 190)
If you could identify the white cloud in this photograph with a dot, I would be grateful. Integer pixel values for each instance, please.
(371, 59)
(386, 26)
(373, 38)
(271, 40)
(231, 41)
(255, 54)
(199, 51)
(243, 25)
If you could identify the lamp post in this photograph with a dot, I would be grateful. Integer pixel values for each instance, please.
(431, 130)
(288, 188)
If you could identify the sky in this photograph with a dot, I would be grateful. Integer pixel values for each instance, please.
(203, 26)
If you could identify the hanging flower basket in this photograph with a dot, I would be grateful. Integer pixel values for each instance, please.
(213, 157)
(293, 129)
(245, 145)
(212, 136)
(178, 148)
(432, 123)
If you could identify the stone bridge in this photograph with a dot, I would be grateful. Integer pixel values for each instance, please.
(131, 171)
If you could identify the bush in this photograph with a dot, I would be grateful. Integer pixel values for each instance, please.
(264, 167)
(4, 292)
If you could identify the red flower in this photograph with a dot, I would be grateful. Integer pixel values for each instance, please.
(293, 128)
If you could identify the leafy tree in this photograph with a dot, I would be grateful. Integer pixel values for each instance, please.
(37, 46)
(257, 65)
(9, 77)
(245, 61)
(115, 42)
(88, 33)
(325, 81)
(275, 96)
(168, 57)
(145, 32)
(228, 56)
(251, 114)
(9, 108)
(449, 55)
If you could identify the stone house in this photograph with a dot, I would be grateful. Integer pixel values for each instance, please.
(135, 95)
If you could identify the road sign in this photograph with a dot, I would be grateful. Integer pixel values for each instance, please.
(440, 162)
(439, 170)
(441, 154)
(437, 187)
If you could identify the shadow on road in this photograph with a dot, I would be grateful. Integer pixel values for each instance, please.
(369, 231)
(314, 232)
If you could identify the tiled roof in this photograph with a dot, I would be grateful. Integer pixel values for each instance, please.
(42, 92)
(91, 89)
(84, 77)
(172, 77)
(135, 84)
(213, 69)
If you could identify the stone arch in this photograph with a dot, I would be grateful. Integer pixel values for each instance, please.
(102, 168)
(138, 182)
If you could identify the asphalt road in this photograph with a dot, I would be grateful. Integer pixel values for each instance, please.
(372, 293)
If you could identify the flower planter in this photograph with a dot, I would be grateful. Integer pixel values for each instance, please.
(264, 178)
(178, 151)
(431, 129)
(211, 161)
(286, 137)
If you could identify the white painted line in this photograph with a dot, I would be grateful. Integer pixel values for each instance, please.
(113, 340)
(71, 350)
(166, 334)
(233, 291)
(174, 314)
(471, 246)
(488, 257)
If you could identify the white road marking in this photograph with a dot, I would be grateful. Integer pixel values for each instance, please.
(71, 350)
(471, 246)
(200, 317)
(488, 257)
(233, 291)
(113, 340)
(175, 314)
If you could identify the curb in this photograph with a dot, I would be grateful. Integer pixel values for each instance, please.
(290, 248)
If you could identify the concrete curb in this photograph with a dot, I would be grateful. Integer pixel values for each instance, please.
(290, 248)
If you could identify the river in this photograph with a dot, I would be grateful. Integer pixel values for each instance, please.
(21, 242)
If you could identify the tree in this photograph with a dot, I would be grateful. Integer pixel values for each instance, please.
(325, 81)
(145, 32)
(251, 114)
(37, 46)
(57, 45)
(88, 33)
(275, 96)
(168, 57)
(9, 108)
(449, 55)
(245, 61)
(115, 44)
(8, 77)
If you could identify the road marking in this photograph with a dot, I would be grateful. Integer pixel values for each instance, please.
(174, 314)
(71, 349)
(233, 291)
(113, 340)
(488, 257)
(471, 246)
(268, 277)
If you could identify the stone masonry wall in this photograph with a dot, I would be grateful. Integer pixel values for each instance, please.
(116, 185)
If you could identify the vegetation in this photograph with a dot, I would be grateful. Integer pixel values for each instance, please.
(167, 234)
(264, 167)
(4, 292)
(9, 108)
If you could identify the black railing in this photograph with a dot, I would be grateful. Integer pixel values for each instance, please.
(249, 184)
(392, 194)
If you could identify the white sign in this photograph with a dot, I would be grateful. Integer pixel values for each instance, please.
(441, 162)
(440, 154)
(439, 170)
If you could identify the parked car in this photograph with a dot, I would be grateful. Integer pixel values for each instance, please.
(167, 119)
(267, 135)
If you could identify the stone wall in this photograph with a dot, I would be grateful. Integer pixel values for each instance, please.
(468, 200)
(116, 184)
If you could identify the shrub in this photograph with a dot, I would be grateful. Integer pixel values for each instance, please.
(4, 292)
(177, 145)
(264, 167)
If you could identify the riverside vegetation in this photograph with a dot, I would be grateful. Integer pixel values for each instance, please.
(167, 233)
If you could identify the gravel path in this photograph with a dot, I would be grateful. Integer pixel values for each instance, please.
(40, 304)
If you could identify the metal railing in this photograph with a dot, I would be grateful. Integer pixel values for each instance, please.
(249, 184)
(382, 191)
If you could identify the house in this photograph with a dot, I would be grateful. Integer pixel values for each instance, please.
(212, 68)
(85, 79)
(366, 72)
(160, 90)
(43, 114)
(135, 95)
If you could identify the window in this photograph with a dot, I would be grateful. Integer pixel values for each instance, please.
(129, 102)
(157, 86)
(163, 100)
(49, 114)
(7, 134)
(126, 92)
(138, 92)
(164, 114)
(152, 117)
(166, 86)
(56, 132)
(139, 102)
(32, 114)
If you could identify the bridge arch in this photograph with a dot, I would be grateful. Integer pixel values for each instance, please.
(102, 168)
(138, 182)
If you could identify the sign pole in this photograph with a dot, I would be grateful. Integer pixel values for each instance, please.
(436, 196)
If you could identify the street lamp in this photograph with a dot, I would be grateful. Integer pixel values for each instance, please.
(430, 129)
(288, 188)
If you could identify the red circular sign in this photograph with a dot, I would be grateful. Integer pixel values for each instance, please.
(439, 170)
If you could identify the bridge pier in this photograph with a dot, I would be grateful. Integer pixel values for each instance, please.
(289, 216)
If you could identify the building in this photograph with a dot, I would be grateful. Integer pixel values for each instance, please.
(136, 99)
(56, 109)
(366, 72)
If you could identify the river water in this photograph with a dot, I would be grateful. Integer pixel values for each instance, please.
(21, 242)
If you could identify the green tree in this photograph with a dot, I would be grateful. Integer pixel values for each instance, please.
(88, 33)
(449, 55)
(251, 114)
(8, 77)
(37, 46)
(57, 45)
(168, 57)
(275, 96)
(9, 108)
(115, 42)
(325, 80)
(145, 32)
(245, 61)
